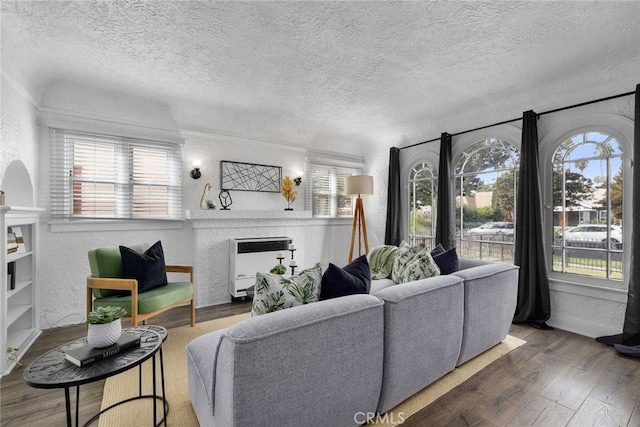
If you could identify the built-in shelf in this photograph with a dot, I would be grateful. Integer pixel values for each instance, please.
(19, 317)
(14, 312)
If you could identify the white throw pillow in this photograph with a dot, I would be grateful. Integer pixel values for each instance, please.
(275, 292)
(413, 263)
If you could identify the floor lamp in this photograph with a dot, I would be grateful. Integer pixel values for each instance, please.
(359, 185)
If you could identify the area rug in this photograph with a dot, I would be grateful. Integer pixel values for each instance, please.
(181, 413)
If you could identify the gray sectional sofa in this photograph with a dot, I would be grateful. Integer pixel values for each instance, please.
(338, 361)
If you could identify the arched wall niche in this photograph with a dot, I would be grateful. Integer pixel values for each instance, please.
(17, 185)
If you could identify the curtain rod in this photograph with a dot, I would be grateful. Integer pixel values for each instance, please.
(582, 104)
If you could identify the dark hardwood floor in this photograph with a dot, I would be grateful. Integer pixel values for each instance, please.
(556, 379)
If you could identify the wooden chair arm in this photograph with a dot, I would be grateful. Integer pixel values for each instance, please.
(112, 283)
(181, 269)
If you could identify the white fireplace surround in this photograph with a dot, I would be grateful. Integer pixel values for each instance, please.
(315, 240)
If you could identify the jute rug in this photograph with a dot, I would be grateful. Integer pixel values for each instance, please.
(181, 413)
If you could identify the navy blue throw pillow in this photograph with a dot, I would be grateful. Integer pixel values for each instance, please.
(437, 250)
(447, 261)
(354, 278)
(148, 268)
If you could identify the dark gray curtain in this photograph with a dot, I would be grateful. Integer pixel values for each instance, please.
(631, 330)
(534, 305)
(628, 343)
(446, 214)
(392, 230)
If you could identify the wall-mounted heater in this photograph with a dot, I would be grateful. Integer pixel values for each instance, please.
(252, 255)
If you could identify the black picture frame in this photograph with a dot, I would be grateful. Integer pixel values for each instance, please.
(239, 176)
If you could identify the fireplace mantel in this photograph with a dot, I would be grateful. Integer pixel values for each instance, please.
(214, 218)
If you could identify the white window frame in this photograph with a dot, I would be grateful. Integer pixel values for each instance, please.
(621, 128)
(429, 241)
(333, 163)
(62, 163)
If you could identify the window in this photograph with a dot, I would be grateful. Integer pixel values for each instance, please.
(486, 180)
(107, 177)
(587, 191)
(325, 190)
(423, 185)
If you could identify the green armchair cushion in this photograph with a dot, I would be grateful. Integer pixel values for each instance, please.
(152, 300)
(106, 263)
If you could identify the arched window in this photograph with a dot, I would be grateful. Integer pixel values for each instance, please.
(423, 184)
(486, 181)
(588, 205)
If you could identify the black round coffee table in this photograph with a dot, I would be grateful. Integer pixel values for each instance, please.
(52, 370)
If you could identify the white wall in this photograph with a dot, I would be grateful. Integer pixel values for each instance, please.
(19, 142)
(63, 266)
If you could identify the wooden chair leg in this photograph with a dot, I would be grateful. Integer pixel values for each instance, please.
(89, 304)
(193, 312)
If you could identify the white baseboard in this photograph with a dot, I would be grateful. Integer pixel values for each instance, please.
(582, 326)
(55, 320)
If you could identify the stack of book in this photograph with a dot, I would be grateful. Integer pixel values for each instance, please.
(15, 240)
(85, 355)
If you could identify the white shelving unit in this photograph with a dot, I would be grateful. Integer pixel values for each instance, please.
(19, 313)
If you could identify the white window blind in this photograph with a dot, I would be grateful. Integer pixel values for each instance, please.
(108, 177)
(325, 193)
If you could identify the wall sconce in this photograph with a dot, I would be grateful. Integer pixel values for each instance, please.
(195, 172)
(298, 178)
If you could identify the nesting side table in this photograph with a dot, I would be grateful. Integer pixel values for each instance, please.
(52, 370)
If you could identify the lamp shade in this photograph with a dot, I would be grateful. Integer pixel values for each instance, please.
(359, 185)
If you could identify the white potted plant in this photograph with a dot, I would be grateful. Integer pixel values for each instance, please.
(105, 326)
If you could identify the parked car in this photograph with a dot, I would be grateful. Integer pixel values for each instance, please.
(593, 235)
(491, 229)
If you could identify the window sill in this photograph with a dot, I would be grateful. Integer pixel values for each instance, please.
(563, 285)
(121, 225)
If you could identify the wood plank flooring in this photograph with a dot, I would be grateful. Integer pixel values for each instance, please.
(556, 379)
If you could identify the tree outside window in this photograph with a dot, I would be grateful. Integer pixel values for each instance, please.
(486, 182)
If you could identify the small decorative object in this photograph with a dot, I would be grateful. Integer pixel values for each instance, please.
(278, 269)
(288, 192)
(105, 326)
(293, 264)
(1, 198)
(225, 200)
(205, 200)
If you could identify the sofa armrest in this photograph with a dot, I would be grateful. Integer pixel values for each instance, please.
(202, 357)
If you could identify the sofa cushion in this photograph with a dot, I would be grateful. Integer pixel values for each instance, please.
(354, 278)
(275, 292)
(413, 263)
(381, 261)
(447, 260)
(147, 268)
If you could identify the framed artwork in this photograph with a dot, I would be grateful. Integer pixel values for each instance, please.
(249, 177)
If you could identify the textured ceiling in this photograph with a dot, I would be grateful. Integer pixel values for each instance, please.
(338, 76)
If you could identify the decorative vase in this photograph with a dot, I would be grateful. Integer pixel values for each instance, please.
(104, 334)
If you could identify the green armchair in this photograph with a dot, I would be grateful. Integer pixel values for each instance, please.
(105, 284)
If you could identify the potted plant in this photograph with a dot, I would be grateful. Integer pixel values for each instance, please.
(105, 326)
(287, 191)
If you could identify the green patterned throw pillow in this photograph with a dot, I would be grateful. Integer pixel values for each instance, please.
(275, 292)
(413, 263)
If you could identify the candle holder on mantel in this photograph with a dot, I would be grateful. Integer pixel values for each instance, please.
(292, 262)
